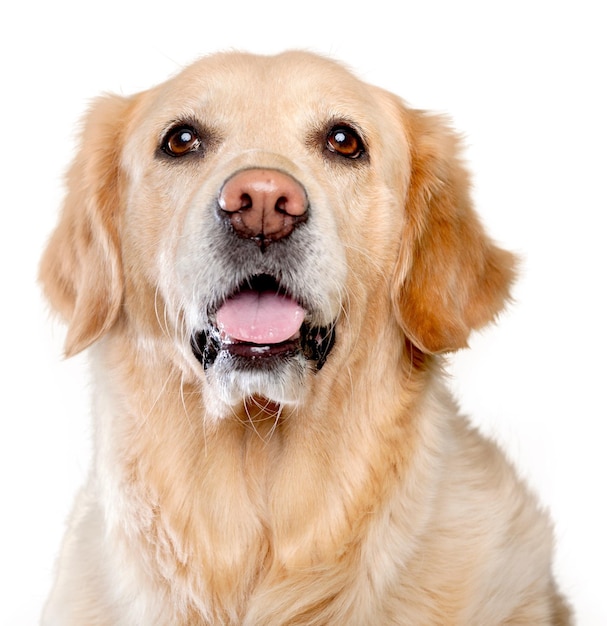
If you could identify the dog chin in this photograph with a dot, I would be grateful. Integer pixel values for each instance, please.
(231, 384)
(238, 371)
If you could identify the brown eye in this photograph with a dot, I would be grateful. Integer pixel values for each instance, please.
(181, 140)
(345, 142)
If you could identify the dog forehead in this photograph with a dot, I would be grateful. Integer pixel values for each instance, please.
(282, 73)
(241, 86)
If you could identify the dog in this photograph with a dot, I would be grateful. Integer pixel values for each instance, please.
(267, 259)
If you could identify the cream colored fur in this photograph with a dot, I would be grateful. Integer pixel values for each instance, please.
(355, 495)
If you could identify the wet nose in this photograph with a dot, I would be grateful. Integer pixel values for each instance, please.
(263, 204)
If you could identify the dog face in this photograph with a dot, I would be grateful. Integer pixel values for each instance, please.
(254, 217)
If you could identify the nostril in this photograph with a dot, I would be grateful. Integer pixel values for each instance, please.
(281, 205)
(246, 202)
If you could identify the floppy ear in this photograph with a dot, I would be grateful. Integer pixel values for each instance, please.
(81, 270)
(451, 278)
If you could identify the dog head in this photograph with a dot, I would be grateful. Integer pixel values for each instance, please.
(256, 216)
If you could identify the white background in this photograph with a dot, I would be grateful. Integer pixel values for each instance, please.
(524, 81)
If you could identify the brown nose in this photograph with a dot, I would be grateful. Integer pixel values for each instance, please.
(263, 204)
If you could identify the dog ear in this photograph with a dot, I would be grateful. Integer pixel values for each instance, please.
(81, 270)
(451, 278)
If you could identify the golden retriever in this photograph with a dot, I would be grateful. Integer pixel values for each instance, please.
(267, 258)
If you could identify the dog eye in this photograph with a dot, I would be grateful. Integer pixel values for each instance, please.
(181, 140)
(345, 141)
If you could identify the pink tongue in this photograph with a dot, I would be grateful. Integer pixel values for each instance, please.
(260, 317)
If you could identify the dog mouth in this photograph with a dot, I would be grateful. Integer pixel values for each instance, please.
(259, 326)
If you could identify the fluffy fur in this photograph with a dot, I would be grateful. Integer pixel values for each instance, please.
(355, 494)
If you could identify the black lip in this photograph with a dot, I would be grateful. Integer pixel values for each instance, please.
(256, 351)
(314, 344)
